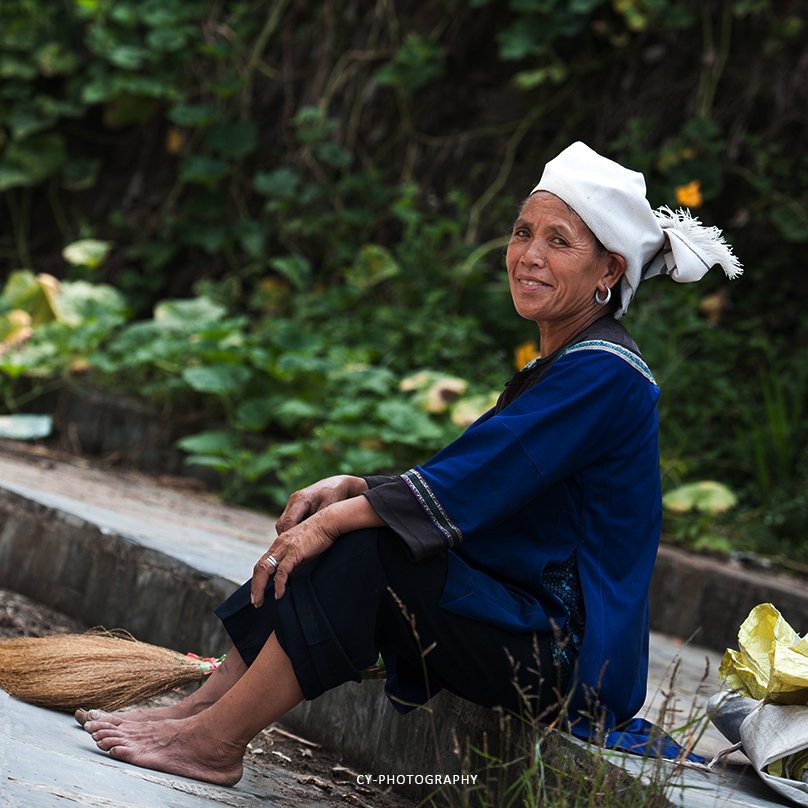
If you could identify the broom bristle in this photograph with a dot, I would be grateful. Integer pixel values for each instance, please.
(100, 669)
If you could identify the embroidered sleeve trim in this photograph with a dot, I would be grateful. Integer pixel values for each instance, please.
(617, 350)
(432, 507)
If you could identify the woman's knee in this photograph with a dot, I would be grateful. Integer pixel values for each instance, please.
(347, 574)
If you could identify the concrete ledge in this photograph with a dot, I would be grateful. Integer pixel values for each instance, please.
(100, 575)
(104, 578)
(708, 599)
(451, 737)
(359, 720)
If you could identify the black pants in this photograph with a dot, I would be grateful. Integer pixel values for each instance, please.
(338, 612)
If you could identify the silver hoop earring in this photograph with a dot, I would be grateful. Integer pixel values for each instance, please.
(605, 299)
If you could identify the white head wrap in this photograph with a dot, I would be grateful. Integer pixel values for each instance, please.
(611, 201)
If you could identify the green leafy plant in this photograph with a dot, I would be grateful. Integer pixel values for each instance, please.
(341, 186)
(50, 330)
(693, 507)
(283, 402)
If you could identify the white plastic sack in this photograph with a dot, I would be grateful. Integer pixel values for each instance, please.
(765, 706)
(773, 736)
(775, 733)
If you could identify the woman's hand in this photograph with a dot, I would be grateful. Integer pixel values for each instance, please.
(289, 551)
(308, 539)
(314, 498)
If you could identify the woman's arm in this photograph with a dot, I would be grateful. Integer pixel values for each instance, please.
(302, 504)
(308, 539)
(586, 408)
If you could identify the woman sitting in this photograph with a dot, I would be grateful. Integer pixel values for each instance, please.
(521, 553)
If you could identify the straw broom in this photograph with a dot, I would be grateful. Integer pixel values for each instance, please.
(99, 669)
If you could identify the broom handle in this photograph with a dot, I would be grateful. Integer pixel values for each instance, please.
(207, 664)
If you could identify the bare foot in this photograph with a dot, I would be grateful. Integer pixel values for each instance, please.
(182, 709)
(220, 681)
(175, 746)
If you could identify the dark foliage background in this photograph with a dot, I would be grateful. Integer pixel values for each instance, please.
(327, 187)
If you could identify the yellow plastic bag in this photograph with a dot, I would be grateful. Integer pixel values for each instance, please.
(772, 662)
(791, 767)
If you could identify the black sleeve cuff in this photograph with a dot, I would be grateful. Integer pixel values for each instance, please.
(378, 479)
(392, 500)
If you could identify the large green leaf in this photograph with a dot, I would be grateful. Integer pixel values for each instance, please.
(80, 302)
(129, 57)
(373, 265)
(296, 268)
(706, 496)
(292, 336)
(252, 236)
(168, 40)
(234, 139)
(15, 326)
(35, 294)
(88, 252)
(192, 313)
(219, 379)
(26, 119)
(193, 114)
(282, 183)
(289, 412)
(214, 442)
(417, 62)
(28, 162)
(13, 67)
(204, 170)
(403, 422)
(211, 238)
(254, 413)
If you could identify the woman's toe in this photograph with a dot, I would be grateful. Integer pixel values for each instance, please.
(107, 738)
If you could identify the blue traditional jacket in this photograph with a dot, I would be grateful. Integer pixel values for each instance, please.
(567, 466)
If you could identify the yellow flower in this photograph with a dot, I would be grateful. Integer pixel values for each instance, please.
(79, 365)
(442, 393)
(713, 306)
(689, 195)
(524, 353)
(175, 139)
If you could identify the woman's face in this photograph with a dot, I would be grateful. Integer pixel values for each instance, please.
(555, 264)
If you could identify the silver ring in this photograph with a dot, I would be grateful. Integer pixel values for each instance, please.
(272, 560)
